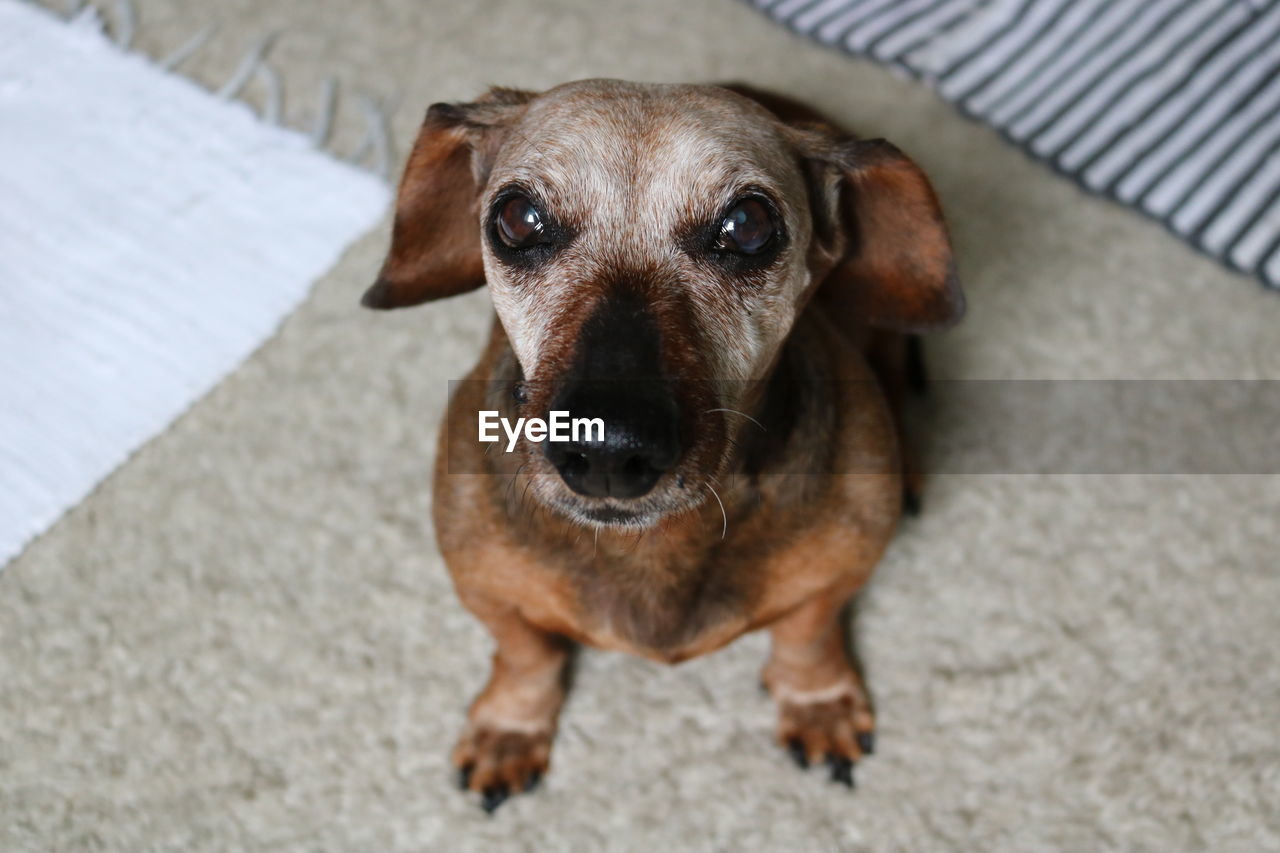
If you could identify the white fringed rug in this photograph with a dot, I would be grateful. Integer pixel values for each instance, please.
(151, 237)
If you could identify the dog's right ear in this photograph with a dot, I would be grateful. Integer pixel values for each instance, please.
(435, 241)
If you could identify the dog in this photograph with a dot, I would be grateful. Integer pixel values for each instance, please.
(731, 284)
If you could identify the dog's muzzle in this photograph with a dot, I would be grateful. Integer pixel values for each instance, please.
(617, 378)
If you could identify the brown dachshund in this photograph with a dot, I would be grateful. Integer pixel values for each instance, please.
(723, 279)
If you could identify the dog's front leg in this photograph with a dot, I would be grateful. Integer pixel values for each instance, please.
(823, 709)
(506, 746)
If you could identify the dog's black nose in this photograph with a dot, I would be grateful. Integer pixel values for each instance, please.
(641, 439)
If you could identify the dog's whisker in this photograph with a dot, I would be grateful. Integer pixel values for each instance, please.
(528, 481)
(742, 414)
(510, 485)
(661, 527)
(724, 530)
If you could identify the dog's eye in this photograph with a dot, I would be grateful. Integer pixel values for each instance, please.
(747, 228)
(520, 223)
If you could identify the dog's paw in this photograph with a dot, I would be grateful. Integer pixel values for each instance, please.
(497, 763)
(838, 730)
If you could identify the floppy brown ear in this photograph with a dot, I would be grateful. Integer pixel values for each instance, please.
(889, 256)
(435, 240)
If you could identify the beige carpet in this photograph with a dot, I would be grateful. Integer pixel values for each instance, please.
(245, 638)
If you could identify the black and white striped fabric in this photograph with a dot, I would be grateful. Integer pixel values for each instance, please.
(1170, 106)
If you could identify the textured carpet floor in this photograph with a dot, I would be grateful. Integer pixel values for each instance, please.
(245, 639)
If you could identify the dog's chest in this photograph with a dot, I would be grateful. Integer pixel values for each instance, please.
(664, 603)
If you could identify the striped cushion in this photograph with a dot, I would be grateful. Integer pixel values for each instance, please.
(1170, 106)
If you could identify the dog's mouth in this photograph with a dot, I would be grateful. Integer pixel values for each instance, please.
(669, 498)
(624, 482)
(611, 515)
(616, 516)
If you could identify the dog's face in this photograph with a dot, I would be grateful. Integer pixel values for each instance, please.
(686, 203)
(648, 249)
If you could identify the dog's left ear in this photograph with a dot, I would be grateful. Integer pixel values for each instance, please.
(435, 240)
(881, 251)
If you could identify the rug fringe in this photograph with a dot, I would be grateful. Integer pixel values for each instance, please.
(372, 153)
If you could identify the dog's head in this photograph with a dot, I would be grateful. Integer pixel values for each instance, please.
(648, 249)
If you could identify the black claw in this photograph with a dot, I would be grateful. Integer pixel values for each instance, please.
(493, 796)
(917, 372)
(841, 769)
(867, 742)
(464, 777)
(532, 782)
(798, 755)
(910, 502)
